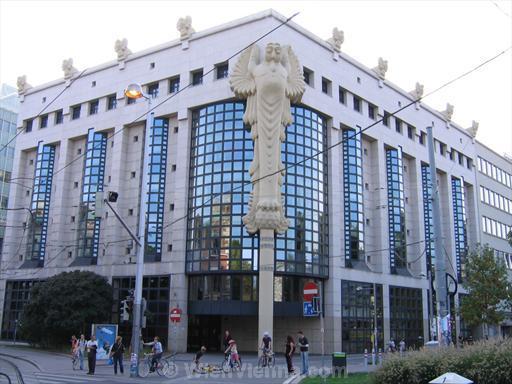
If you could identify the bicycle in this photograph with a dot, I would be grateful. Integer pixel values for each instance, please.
(162, 368)
(266, 359)
(230, 364)
(75, 360)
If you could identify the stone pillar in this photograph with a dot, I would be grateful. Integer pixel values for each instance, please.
(266, 283)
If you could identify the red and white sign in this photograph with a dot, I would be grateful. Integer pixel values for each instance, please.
(175, 315)
(310, 291)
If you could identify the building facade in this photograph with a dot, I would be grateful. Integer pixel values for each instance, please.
(8, 122)
(357, 202)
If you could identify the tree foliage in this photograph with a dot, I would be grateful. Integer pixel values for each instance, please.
(64, 305)
(489, 291)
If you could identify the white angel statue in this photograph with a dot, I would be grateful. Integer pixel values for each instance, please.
(269, 86)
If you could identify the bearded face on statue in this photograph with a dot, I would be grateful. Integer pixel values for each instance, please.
(270, 86)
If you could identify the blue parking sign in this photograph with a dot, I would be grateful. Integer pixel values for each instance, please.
(308, 309)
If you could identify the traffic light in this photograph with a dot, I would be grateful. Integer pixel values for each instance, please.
(125, 315)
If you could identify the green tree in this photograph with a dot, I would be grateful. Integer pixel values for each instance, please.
(489, 292)
(65, 304)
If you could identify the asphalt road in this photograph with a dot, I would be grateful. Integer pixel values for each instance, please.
(42, 367)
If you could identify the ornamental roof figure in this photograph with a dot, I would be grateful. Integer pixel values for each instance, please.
(448, 112)
(22, 84)
(121, 48)
(338, 37)
(473, 130)
(270, 86)
(417, 93)
(381, 68)
(184, 26)
(67, 67)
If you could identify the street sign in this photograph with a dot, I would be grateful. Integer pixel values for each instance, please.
(309, 311)
(175, 315)
(310, 291)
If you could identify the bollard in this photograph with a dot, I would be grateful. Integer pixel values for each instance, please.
(380, 356)
(366, 359)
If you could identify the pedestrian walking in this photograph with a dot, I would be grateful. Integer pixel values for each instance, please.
(116, 354)
(304, 353)
(82, 343)
(289, 351)
(92, 347)
(401, 345)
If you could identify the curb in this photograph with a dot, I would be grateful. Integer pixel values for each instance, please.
(294, 379)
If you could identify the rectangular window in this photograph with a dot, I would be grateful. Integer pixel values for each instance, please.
(75, 112)
(174, 84)
(111, 102)
(442, 148)
(459, 222)
(130, 101)
(385, 119)
(93, 107)
(326, 86)
(43, 121)
(153, 90)
(372, 111)
(411, 131)
(59, 117)
(357, 103)
(461, 158)
(342, 95)
(423, 138)
(398, 125)
(308, 76)
(221, 71)
(28, 125)
(197, 77)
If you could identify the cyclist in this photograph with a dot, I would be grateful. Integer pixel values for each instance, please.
(266, 347)
(157, 352)
(198, 357)
(233, 351)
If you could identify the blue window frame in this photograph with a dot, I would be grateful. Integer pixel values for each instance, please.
(353, 197)
(40, 205)
(220, 185)
(92, 182)
(156, 188)
(459, 222)
(426, 182)
(396, 209)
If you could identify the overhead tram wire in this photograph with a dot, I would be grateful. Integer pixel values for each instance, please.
(181, 90)
(307, 158)
(22, 128)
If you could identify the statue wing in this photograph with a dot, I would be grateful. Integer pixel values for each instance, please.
(296, 85)
(242, 81)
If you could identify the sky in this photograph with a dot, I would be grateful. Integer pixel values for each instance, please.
(427, 41)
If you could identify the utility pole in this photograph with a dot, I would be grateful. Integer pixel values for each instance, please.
(440, 267)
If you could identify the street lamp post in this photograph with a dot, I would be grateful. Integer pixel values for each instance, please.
(134, 91)
(375, 332)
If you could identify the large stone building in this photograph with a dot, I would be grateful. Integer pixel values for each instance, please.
(360, 217)
(8, 120)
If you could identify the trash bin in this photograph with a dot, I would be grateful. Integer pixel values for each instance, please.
(339, 363)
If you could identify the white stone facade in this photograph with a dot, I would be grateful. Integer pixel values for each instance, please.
(204, 50)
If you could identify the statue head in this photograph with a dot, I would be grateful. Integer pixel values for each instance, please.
(273, 52)
(338, 36)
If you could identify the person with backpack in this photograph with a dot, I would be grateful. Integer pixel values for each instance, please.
(116, 353)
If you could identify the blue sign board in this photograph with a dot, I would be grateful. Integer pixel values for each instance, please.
(309, 310)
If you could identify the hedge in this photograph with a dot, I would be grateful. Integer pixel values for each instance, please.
(487, 362)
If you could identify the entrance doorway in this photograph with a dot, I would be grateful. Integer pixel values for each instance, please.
(204, 330)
